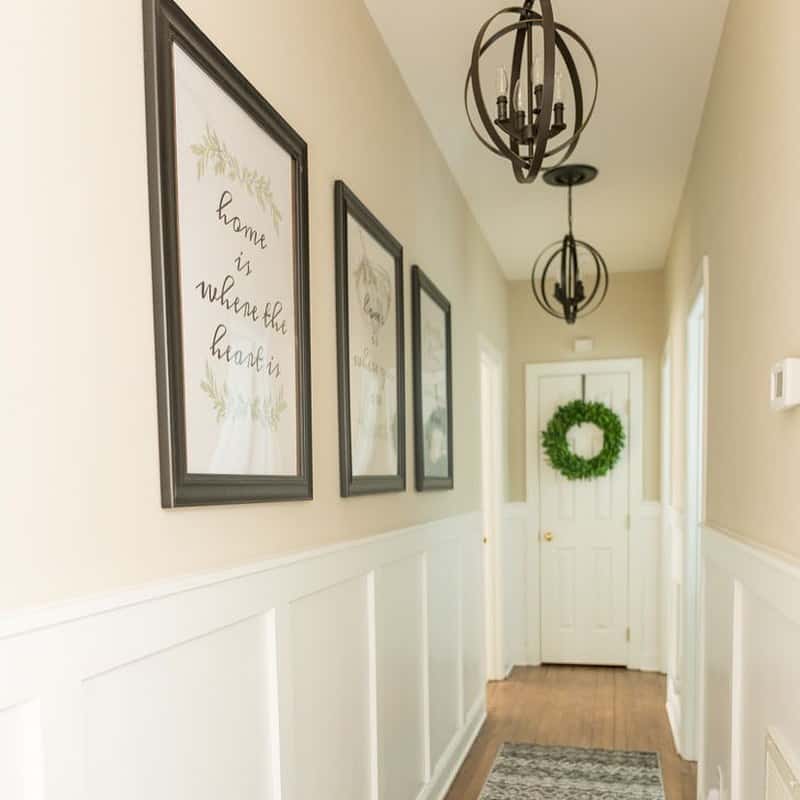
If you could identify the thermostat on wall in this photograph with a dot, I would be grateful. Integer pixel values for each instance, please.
(785, 384)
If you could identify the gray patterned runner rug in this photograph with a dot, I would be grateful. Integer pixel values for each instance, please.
(531, 772)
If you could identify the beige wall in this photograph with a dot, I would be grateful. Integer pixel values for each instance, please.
(80, 485)
(741, 208)
(628, 324)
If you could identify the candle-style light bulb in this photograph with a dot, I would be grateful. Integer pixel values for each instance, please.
(558, 93)
(519, 97)
(502, 82)
(538, 71)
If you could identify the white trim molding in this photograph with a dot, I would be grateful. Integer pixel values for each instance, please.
(516, 544)
(673, 524)
(750, 647)
(369, 654)
(644, 604)
(644, 561)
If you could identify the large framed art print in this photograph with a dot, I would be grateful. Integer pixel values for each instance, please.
(229, 226)
(431, 343)
(371, 350)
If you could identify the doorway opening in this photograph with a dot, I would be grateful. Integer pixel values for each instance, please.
(492, 501)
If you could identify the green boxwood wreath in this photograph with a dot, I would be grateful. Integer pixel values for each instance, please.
(559, 453)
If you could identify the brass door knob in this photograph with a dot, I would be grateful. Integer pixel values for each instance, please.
(548, 537)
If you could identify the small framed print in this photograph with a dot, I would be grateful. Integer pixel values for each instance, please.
(229, 228)
(370, 349)
(433, 384)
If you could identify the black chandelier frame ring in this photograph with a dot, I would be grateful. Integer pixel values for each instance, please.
(580, 124)
(526, 169)
(601, 276)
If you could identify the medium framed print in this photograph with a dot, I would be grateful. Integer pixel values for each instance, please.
(229, 227)
(370, 345)
(433, 384)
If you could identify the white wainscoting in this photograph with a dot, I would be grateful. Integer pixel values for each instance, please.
(672, 598)
(515, 585)
(347, 673)
(750, 664)
(644, 607)
(522, 608)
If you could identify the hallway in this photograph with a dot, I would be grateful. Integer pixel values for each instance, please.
(576, 706)
(362, 357)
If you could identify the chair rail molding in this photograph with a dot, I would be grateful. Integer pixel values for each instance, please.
(751, 649)
(368, 653)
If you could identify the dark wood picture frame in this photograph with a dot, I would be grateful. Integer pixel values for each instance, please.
(165, 24)
(346, 204)
(420, 282)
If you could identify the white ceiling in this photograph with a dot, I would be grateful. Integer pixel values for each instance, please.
(655, 61)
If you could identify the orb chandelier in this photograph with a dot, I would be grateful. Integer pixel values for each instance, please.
(567, 262)
(530, 103)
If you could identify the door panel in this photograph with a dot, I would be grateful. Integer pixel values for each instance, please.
(585, 564)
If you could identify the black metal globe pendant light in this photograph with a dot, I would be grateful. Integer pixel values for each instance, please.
(565, 263)
(530, 103)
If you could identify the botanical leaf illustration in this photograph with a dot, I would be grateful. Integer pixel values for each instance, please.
(266, 410)
(213, 152)
(218, 397)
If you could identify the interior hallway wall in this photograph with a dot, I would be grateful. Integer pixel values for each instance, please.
(630, 323)
(740, 208)
(80, 484)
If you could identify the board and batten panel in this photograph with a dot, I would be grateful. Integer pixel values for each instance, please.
(515, 594)
(751, 630)
(444, 573)
(717, 670)
(472, 629)
(340, 673)
(770, 685)
(189, 723)
(332, 692)
(21, 776)
(401, 681)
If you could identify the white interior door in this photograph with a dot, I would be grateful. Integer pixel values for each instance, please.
(584, 534)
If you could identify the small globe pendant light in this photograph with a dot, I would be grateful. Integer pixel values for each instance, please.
(569, 262)
(530, 102)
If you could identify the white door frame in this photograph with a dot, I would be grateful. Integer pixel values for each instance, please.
(490, 365)
(666, 595)
(533, 372)
(696, 414)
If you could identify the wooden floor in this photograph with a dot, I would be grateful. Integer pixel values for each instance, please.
(580, 707)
